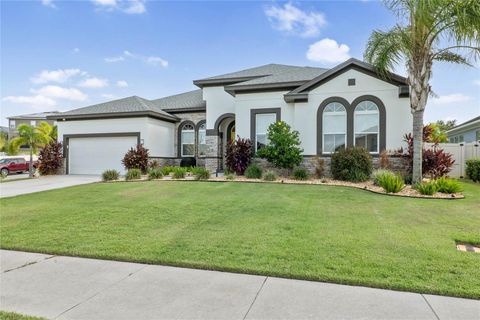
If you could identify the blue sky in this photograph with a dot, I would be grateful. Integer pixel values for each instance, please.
(60, 55)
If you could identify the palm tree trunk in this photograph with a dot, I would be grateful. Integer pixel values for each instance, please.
(417, 145)
(30, 165)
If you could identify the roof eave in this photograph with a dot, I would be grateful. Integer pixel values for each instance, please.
(222, 82)
(112, 115)
(280, 86)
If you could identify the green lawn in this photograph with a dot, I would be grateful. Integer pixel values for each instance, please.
(326, 233)
(16, 316)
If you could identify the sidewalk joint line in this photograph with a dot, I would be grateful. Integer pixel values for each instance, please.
(100, 291)
(28, 264)
(431, 308)
(255, 298)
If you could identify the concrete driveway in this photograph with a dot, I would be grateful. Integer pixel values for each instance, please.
(59, 287)
(15, 188)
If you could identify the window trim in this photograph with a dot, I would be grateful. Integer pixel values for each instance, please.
(367, 133)
(253, 122)
(179, 137)
(382, 121)
(12, 124)
(197, 138)
(346, 127)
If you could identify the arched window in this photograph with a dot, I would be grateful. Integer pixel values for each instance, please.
(188, 141)
(334, 127)
(202, 143)
(366, 124)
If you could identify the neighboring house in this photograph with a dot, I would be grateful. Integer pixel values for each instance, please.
(331, 108)
(31, 119)
(4, 130)
(468, 131)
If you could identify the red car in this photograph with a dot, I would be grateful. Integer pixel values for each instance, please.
(18, 165)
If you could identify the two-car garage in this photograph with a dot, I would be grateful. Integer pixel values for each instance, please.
(95, 153)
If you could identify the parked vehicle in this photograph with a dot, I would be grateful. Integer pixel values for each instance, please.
(17, 164)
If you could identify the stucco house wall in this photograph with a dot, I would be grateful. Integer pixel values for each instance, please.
(218, 102)
(158, 136)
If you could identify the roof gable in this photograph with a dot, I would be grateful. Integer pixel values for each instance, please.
(301, 93)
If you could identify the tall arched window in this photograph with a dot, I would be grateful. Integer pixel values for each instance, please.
(202, 140)
(188, 141)
(334, 127)
(366, 124)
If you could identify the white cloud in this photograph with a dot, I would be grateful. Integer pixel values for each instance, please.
(60, 75)
(135, 7)
(476, 82)
(114, 59)
(295, 21)
(122, 84)
(125, 6)
(156, 61)
(328, 50)
(151, 60)
(61, 93)
(93, 83)
(49, 3)
(37, 101)
(451, 98)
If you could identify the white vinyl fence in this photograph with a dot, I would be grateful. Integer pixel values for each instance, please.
(461, 153)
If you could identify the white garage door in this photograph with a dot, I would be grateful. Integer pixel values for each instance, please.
(95, 155)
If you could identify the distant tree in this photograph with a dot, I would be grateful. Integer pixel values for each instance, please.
(438, 134)
(48, 129)
(446, 125)
(3, 141)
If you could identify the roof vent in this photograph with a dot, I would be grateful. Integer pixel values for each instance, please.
(351, 82)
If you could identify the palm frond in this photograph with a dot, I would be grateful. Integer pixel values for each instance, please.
(449, 56)
(386, 49)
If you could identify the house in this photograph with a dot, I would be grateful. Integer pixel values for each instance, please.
(30, 119)
(348, 105)
(468, 131)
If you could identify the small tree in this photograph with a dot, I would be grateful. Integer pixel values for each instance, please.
(136, 158)
(50, 158)
(283, 150)
(239, 155)
(31, 137)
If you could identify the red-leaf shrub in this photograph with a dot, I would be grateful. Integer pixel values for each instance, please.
(50, 158)
(239, 155)
(436, 163)
(136, 158)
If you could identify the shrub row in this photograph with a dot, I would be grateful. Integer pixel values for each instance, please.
(442, 185)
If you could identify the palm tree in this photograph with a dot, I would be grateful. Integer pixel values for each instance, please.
(48, 130)
(34, 138)
(428, 31)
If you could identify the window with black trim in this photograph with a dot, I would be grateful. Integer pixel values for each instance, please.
(334, 127)
(188, 140)
(262, 122)
(366, 126)
(202, 143)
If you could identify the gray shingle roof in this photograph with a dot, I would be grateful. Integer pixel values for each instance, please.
(39, 115)
(191, 100)
(132, 104)
(298, 74)
(268, 69)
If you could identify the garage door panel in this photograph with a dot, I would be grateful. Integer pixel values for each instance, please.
(93, 155)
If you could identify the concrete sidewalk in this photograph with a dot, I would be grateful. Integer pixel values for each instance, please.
(15, 188)
(76, 288)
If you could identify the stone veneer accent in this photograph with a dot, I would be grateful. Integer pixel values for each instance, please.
(398, 164)
(212, 159)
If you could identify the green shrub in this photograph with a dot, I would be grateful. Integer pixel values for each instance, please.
(253, 172)
(166, 170)
(426, 188)
(133, 174)
(230, 176)
(445, 185)
(201, 173)
(110, 175)
(473, 169)
(155, 173)
(351, 164)
(270, 176)
(154, 164)
(377, 174)
(389, 181)
(179, 172)
(300, 174)
(408, 178)
(319, 167)
(283, 149)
